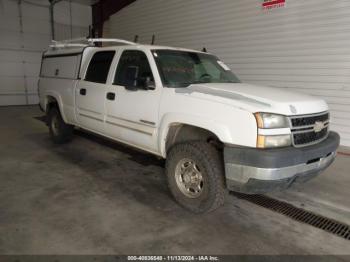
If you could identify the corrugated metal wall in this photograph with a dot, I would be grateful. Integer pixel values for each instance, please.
(24, 33)
(304, 46)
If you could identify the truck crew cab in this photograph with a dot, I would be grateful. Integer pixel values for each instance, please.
(186, 106)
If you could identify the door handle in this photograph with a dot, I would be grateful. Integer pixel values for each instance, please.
(82, 91)
(110, 96)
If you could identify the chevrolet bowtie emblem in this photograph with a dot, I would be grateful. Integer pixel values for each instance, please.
(318, 126)
(292, 109)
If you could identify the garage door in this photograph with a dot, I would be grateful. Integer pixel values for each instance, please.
(25, 32)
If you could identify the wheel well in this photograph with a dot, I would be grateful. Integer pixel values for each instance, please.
(179, 133)
(51, 102)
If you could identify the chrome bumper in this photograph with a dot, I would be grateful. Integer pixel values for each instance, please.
(242, 173)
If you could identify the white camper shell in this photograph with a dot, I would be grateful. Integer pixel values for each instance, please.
(63, 59)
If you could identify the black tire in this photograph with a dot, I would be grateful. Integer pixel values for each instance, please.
(60, 132)
(210, 163)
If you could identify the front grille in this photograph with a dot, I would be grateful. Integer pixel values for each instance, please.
(304, 129)
(309, 120)
(309, 137)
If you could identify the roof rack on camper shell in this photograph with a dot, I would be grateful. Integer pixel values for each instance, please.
(77, 46)
(81, 42)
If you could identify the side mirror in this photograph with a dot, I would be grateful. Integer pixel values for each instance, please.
(149, 84)
(131, 88)
(133, 82)
(143, 83)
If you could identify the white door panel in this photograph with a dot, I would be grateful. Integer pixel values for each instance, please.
(133, 116)
(90, 105)
(91, 92)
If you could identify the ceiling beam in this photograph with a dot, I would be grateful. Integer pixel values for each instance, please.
(103, 9)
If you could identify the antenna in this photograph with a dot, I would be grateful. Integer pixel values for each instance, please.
(91, 32)
(153, 39)
(136, 38)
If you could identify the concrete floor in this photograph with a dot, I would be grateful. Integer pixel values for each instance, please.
(93, 196)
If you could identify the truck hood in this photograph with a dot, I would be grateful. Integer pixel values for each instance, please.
(256, 98)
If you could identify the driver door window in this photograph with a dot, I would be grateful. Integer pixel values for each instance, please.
(133, 70)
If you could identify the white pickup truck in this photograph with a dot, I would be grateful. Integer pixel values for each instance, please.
(188, 107)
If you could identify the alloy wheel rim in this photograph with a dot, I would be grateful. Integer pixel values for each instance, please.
(189, 178)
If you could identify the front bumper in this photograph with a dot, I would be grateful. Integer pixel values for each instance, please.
(254, 171)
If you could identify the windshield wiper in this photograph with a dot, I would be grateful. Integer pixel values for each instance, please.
(201, 82)
(185, 84)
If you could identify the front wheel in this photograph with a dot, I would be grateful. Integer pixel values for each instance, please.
(195, 175)
(60, 132)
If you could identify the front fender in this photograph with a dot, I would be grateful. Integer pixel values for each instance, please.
(169, 119)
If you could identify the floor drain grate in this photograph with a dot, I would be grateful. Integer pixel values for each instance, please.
(301, 215)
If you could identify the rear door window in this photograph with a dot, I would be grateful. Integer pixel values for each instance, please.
(99, 67)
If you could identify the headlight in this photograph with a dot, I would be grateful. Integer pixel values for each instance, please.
(270, 121)
(273, 141)
(267, 120)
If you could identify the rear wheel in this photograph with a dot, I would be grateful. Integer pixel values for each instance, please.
(196, 176)
(60, 132)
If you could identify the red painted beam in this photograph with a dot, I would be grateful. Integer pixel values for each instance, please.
(274, 2)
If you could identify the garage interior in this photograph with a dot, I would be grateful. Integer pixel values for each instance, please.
(97, 197)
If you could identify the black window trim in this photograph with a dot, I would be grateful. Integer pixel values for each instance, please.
(62, 55)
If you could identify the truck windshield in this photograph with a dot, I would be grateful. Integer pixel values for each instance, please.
(182, 68)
